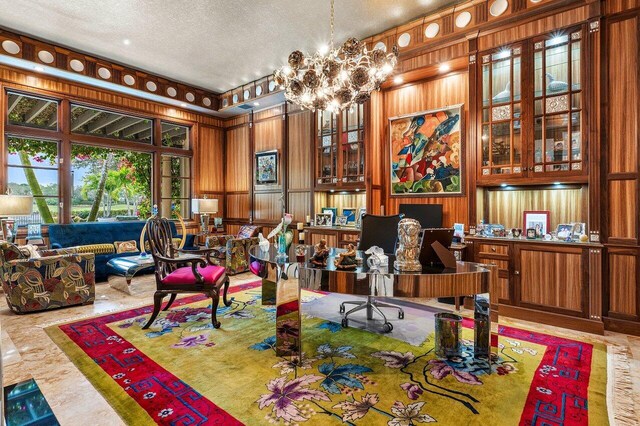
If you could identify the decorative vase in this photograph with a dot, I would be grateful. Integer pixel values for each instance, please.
(448, 334)
(408, 252)
(282, 247)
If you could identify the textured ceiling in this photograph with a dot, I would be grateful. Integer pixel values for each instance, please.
(214, 44)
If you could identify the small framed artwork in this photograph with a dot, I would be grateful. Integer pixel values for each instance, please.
(539, 220)
(341, 221)
(564, 231)
(350, 213)
(266, 167)
(531, 234)
(324, 219)
(361, 212)
(333, 211)
(458, 230)
(578, 228)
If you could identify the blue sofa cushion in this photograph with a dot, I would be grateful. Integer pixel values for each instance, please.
(79, 234)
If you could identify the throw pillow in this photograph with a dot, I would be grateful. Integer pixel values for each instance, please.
(29, 251)
(125, 246)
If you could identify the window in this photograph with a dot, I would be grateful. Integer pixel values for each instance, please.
(32, 169)
(175, 136)
(104, 158)
(176, 186)
(97, 122)
(109, 184)
(32, 111)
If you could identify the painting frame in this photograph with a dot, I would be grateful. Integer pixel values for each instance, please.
(266, 167)
(324, 219)
(440, 170)
(350, 214)
(542, 218)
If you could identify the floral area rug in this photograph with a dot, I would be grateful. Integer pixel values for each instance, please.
(183, 372)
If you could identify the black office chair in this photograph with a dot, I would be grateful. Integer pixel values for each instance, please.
(381, 231)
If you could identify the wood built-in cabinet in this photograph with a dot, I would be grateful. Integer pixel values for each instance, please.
(340, 159)
(545, 281)
(532, 121)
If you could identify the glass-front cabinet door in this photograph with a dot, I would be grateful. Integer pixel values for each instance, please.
(531, 117)
(340, 149)
(501, 133)
(557, 123)
(352, 139)
(327, 143)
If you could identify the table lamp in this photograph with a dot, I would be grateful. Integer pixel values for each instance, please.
(14, 205)
(204, 206)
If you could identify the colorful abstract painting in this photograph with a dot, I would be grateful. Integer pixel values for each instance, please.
(426, 152)
(267, 167)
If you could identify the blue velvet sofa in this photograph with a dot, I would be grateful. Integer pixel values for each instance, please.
(99, 238)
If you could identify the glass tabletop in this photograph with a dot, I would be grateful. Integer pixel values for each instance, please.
(132, 260)
(270, 256)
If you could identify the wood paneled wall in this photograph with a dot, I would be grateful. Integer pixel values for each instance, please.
(269, 135)
(299, 164)
(431, 94)
(238, 172)
(622, 130)
(565, 205)
(621, 196)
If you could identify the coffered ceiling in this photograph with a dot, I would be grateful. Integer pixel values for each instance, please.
(214, 44)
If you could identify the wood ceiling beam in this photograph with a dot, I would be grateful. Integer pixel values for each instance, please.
(133, 130)
(173, 132)
(104, 121)
(122, 124)
(84, 118)
(35, 110)
(13, 102)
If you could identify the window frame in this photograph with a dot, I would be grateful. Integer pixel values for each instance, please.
(66, 138)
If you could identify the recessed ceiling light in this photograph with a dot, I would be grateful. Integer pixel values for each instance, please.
(38, 68)
(126, 42)
(504, 185)
(256, 103)
(398, 80)
(444, 68)
(183, 105)
(323, 50)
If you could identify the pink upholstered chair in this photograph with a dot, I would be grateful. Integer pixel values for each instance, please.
(201, 275)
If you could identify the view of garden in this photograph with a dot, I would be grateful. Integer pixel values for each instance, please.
(107, 183)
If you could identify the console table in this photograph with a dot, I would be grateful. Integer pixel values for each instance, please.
(467, 279)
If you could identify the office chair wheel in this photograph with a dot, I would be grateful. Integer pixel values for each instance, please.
(387, 327)
(345, 322)
(400, 314)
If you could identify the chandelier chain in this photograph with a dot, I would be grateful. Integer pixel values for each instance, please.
(332, 25)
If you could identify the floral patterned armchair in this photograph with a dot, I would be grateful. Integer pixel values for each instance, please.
(234, 249)
(57, 279)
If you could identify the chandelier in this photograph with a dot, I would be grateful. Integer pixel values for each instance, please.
(335, 79)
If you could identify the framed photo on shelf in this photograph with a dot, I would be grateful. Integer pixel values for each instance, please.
(350, 213)
(324, 219)
(266, 167)
(539, 220)
(578, 228)
(341, 221)
(333, 211)
(564, 231)
(361, 212)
